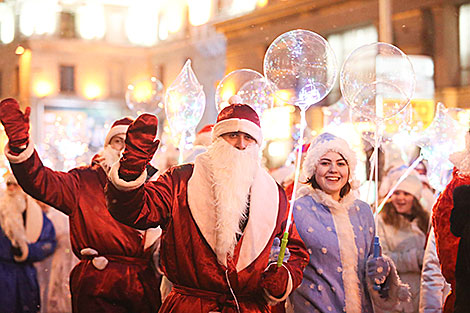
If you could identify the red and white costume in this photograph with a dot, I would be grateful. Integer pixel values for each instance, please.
(115, 272)
(182, 202)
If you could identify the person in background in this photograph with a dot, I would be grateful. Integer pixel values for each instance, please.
(219, 217)
(53, 272)
(26, 236)
(402, 226)
(338, 230)
(115, 272)
(434, 288)
(460, 227)
(446, 243)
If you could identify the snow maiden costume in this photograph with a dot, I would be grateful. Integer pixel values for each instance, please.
(209, 270)
(339, 238)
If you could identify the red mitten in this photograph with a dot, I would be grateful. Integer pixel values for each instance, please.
(140, 146)
(16, 124)
(275, 280)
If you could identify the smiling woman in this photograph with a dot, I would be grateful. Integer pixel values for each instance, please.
(338, 231)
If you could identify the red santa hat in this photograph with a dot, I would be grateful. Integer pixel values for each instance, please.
(203, 137)
(119, 127)
(238, 118)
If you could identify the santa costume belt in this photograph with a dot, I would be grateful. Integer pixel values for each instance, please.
(101, 261)
(222, 299)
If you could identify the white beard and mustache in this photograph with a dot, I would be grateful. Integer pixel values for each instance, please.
(233, 172)
(12, 206)
(108, 157)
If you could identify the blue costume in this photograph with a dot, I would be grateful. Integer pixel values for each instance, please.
(19, 290)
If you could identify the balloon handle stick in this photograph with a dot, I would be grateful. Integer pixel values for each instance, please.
(283, 249)
(377, 253)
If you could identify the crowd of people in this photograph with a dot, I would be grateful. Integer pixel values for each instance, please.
(204, 236)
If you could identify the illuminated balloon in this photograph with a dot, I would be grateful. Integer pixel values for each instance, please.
(249, 85)
(145, 96)
(185, 101)
(438, 141)
(302, 68)
(377, 80)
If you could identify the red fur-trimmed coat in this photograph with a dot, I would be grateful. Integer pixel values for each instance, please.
(446, 243)
(178, 202)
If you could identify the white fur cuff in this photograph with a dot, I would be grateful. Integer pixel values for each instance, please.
(23, 156)
(123, 185)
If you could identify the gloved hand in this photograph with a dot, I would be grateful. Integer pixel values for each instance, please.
(276, 249)
(16, 124)
(140, 146)
(274, 280)
(378, 269)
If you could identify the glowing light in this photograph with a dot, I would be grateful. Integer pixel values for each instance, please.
(142, 22)
(91, 23)
(277, 149)
(7, 23)
(261, 3)
(276, 123)
(174, 16)
(92, 91)
(142, 91)
(19, 50)
(38, 17)
(42, 88)
(282, 94)
(199, 11)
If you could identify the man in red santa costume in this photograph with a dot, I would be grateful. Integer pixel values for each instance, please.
(115, 272)
(446, 243)
(219, 217)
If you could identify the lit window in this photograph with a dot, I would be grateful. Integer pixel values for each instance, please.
(7, 23)
(38, 17)
(91, 22)
(67, 78)
(464, 34)
(199, 11)
(142, 22)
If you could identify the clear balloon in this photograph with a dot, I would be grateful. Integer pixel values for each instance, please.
(185, 101)
(302, 68)
(145, 96)
(250, 86)
(438, 141)
(377, 80)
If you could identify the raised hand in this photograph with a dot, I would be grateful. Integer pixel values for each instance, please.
(140, 146)
(16, 124)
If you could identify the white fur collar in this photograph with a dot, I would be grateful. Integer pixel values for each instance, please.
(346, 240)
(264, 206)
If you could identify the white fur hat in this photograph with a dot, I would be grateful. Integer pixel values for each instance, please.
(411, 184)
(322, 144)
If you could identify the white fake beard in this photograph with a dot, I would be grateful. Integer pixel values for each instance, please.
(233, 172)
(110, 156)
(12, 206)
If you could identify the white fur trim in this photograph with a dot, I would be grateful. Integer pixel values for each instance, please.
(273, 300)
(317, 150)
(116, 130)
(23, 156)
(151, 236)
(264, 206)
(237, 125)
(461, 160)
(123, 185)
(203, 139)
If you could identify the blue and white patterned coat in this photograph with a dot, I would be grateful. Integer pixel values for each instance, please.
(339, 238)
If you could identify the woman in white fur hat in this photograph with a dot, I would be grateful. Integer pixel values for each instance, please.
(338, 231)
(402, 226)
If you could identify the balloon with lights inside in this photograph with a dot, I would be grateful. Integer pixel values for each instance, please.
(145, 96)
(251, 87)
(185, 102)
(301, 68)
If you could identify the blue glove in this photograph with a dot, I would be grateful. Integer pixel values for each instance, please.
(378, 269)
(276, 249)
